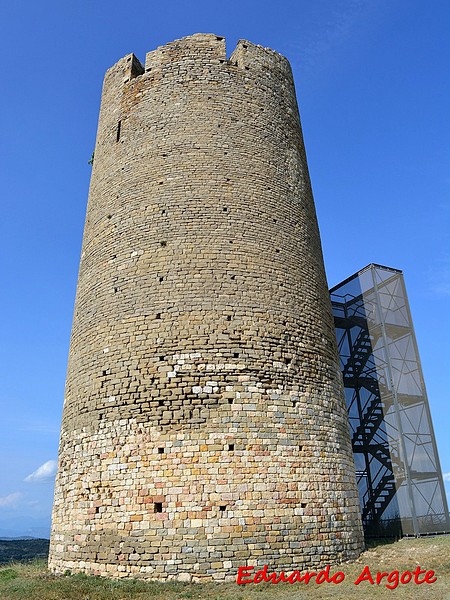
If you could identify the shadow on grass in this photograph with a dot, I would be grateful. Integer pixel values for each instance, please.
(376, 542)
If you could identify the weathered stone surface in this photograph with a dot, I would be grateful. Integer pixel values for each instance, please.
(204, 425)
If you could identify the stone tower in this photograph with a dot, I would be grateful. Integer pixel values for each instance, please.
(204, 426)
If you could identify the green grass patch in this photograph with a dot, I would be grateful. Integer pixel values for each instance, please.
(7, 574)
(32, 581)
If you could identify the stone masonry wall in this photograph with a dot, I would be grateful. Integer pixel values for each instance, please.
(204, 426)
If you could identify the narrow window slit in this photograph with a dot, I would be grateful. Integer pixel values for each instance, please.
(119, 126)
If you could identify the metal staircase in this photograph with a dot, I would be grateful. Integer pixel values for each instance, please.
(397, 465)
(377, 481)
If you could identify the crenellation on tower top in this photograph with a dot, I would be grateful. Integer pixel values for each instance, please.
(136, 67)
(123, 70)
(200, 48)
(251, 56)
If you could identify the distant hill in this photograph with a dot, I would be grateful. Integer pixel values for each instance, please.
(19, 537)
(22, 549)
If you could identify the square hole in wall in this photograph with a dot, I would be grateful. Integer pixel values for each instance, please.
(158, 507)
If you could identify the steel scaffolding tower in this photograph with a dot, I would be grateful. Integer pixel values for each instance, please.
(397, 464)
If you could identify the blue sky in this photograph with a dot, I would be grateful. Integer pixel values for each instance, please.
(372, 79)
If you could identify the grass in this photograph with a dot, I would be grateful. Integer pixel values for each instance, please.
(32, 581)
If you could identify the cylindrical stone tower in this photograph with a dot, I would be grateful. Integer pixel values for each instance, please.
(204, 425)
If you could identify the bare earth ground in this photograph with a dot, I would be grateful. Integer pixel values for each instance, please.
(20, 581)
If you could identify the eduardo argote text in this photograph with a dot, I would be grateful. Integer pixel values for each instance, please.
(391, 579)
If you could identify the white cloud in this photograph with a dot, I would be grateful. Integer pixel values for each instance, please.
(44, 473)
(446, 476)
(11, 500)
